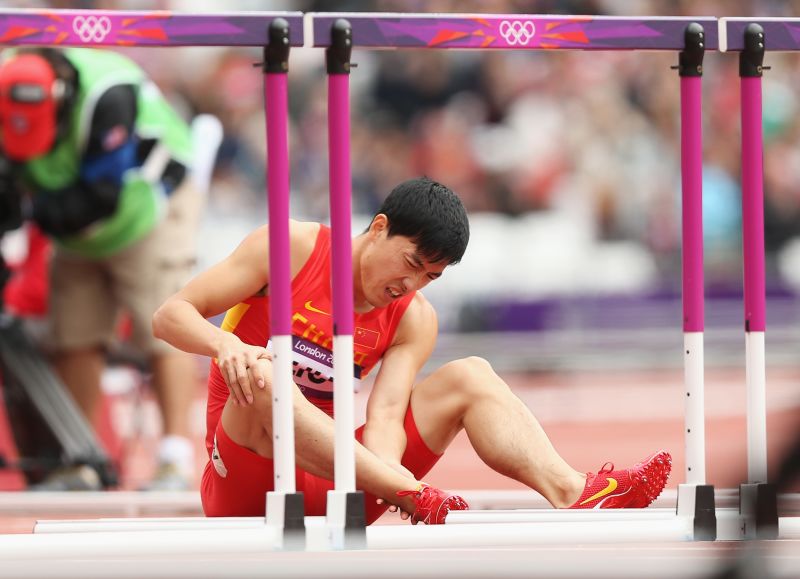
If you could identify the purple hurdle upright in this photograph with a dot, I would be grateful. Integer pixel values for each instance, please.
(695, 497)
(345, 508)
(758, 499)
(285, 509)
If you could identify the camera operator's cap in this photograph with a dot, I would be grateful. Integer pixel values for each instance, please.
(28, 106)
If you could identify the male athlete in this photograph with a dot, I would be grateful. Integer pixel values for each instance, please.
(420, 229)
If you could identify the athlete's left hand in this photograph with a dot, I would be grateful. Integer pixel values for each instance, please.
(394, 508)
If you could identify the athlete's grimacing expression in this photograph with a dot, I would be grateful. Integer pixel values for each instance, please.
(391, 267)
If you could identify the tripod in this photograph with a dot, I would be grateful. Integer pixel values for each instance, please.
(48, 428)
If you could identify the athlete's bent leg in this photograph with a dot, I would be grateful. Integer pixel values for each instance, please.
(468, 394)
(251, 427)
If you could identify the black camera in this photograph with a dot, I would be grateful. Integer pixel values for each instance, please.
(10, 198)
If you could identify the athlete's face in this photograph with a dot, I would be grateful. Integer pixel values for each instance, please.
(392, 267)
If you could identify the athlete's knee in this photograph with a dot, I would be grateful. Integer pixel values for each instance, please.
(467, 372)
(251, 424)
(261, 407)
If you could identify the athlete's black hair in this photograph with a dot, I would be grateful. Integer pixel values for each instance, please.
(431, 215)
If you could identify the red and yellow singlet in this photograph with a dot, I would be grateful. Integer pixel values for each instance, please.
(312, 334)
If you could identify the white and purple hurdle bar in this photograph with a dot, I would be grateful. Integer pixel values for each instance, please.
(526, 32)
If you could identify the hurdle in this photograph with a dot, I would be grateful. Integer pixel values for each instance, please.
(276, 32)
(691, 37)
(752, 38)
(432, 31)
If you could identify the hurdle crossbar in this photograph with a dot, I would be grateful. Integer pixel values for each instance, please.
(543, 562)
(781, 34)
(263, 538)
(131, 503)
(729, 522)
(512, 31)
(124, 28)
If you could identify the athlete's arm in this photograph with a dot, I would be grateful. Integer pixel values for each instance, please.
(182, 322)
(414, 340)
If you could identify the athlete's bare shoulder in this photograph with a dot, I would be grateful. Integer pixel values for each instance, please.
(419, 321)
(300, 232)
(302, 238)
(303, 232)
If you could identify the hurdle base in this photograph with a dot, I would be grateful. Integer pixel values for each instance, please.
(697, 503)
(346, 520)
(286, 513)
(758, 507)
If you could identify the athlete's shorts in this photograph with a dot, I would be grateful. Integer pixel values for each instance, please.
(87, 294)
(236, 479)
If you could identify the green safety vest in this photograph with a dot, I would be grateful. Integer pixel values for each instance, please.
(141, 204)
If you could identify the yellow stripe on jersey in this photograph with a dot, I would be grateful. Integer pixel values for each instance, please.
(233, 316)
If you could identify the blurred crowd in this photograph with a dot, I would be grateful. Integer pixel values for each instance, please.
(593, 136)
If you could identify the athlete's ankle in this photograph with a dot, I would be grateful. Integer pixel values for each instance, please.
(569, 491)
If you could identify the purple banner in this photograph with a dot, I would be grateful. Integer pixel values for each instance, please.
(129, 28)
(513, 31)
(779, 34)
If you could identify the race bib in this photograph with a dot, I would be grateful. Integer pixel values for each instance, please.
(312, 368)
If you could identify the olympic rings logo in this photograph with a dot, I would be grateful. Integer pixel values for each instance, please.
(517, 31)
(91, 28)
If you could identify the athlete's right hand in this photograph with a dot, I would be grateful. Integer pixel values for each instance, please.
(243, 367)
(405, 472)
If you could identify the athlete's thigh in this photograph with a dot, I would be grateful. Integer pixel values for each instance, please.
(438, 408)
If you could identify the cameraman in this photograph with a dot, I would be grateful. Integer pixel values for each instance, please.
(103, 162)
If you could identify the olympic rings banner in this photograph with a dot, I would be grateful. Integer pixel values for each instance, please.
(129, 28)
(457, 31)
(514, 31)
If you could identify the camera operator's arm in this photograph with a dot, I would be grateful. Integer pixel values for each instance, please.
(67, 211)
(110, 152)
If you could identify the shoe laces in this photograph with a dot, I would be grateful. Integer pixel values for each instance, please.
(423, 495)
(424, 499)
